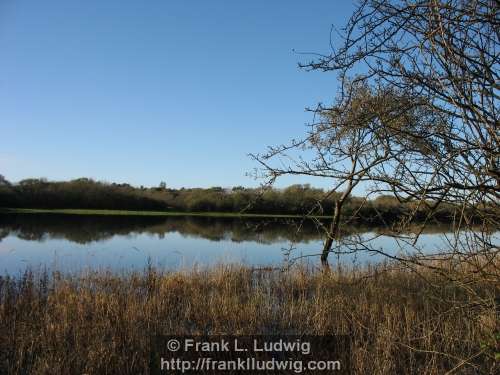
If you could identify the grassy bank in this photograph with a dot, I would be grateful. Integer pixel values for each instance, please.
(97, 323)
(142, 213)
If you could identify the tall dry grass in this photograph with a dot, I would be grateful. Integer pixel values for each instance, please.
(400, 322)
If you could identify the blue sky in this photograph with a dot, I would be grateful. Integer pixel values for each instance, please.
(150, 91)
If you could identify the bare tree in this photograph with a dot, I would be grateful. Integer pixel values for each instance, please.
(416, 116)
(426, 127)
(351, 143)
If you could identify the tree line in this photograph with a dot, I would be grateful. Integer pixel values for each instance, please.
(85, 193)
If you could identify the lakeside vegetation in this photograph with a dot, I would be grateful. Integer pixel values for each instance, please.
(398, 321)
(86, 196)
(98, 212)
(88, 228)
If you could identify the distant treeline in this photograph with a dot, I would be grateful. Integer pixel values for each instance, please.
(85, 193)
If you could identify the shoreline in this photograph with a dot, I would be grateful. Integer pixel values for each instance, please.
(72, 211)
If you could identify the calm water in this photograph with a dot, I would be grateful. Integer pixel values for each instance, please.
(72, 243)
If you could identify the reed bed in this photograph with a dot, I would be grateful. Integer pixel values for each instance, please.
(101, 322)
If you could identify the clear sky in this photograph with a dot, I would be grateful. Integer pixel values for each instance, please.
(159, 90)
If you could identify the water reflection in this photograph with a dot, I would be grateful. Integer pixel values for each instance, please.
(87, 228)
(72, 242)
(84, 229)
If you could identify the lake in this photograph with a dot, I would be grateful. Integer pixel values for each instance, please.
(74, 243)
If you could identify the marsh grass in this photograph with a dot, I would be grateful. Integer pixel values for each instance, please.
(101, 322)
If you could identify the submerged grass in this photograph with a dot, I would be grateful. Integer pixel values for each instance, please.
(101, 322)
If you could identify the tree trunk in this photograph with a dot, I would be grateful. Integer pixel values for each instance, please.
(332, 232)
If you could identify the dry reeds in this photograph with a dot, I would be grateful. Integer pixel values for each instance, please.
(102, 322)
